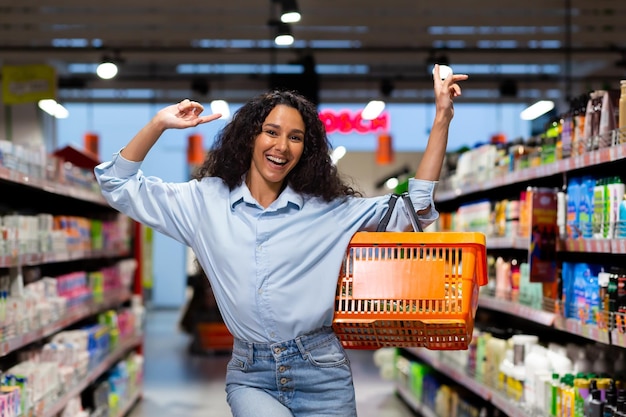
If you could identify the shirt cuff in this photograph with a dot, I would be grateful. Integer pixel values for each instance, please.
(123, 166)
(422, 192)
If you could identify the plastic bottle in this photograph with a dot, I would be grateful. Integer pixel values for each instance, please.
(593, 387)
(616, 194)
(598, 208)
(620, 406)
(595, 406)
(610, 404)
(554, 395)
(581, 393)
(536, 363)
(601, 364)
(582, 363)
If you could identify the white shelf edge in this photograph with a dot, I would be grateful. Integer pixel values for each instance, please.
(65, 190)
(506, 306)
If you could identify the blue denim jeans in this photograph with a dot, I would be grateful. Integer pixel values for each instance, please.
(304, 377)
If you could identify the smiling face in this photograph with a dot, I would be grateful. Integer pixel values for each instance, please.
(277, 150)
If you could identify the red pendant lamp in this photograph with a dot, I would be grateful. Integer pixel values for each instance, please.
(384, 149)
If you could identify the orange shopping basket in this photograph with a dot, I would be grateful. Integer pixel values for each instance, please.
(408, 289)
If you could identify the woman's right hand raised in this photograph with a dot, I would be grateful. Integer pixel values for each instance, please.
(183, 115)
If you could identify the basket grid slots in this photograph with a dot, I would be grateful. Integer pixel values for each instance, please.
(403, 295)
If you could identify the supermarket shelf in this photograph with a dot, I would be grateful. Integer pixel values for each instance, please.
(509, 407)
(598, 157)
(105, 365)
(66, 190)
(8, 261)
(496, 398)
(74, 315)
(413, 403)
(453, 372)
(614, 246)
(522, 243)
(618, 338)
(545, 318)
(588, 331)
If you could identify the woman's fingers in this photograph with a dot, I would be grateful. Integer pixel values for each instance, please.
(187, 108)
(209, 118)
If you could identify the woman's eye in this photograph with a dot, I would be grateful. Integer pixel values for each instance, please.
(297, 138)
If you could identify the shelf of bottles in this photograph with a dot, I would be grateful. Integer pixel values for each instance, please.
(489, 179)
(51, 407)
(30, 259)
(85, 192)
(457, 374)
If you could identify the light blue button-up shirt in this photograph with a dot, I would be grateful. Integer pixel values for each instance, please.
(273, 270)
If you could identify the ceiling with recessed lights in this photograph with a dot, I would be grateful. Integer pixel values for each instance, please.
(345, 50)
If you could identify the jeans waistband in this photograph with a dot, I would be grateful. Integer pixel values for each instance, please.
(298, 346)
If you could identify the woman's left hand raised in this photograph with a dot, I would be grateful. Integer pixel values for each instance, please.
(183, 115)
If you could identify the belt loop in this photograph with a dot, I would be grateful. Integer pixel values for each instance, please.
(250, 353)
(301, 347)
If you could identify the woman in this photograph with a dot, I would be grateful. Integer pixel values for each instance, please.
(269, 220)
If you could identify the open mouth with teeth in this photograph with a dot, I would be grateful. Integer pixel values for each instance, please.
(276, 161)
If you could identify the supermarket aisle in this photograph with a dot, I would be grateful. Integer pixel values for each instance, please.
(177, 384)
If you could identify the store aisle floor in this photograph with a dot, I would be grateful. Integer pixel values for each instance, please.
(177, 384)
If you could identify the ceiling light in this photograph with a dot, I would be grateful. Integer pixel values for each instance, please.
(284, 37)
(373, 109)
(392, 183)
(538, 109)
(53, 108)
(107, 69)
(338, 153)
(220, 106)
(290, 12)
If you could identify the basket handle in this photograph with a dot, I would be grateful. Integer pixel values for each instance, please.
(382, 226)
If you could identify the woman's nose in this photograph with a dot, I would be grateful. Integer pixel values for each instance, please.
(282, 142)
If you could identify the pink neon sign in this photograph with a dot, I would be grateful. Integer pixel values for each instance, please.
(346, 121)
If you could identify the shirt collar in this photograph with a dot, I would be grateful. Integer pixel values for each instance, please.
(241, 193)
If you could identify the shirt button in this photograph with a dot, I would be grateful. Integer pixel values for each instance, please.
(283, 381)
(277, 350)
(282, 369)
(260, 291)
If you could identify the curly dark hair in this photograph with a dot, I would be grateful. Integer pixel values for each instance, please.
(231, 154)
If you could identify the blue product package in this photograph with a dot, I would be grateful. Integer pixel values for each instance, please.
(573, 207)
(586, 206)
(581, 276)
(567, 279)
